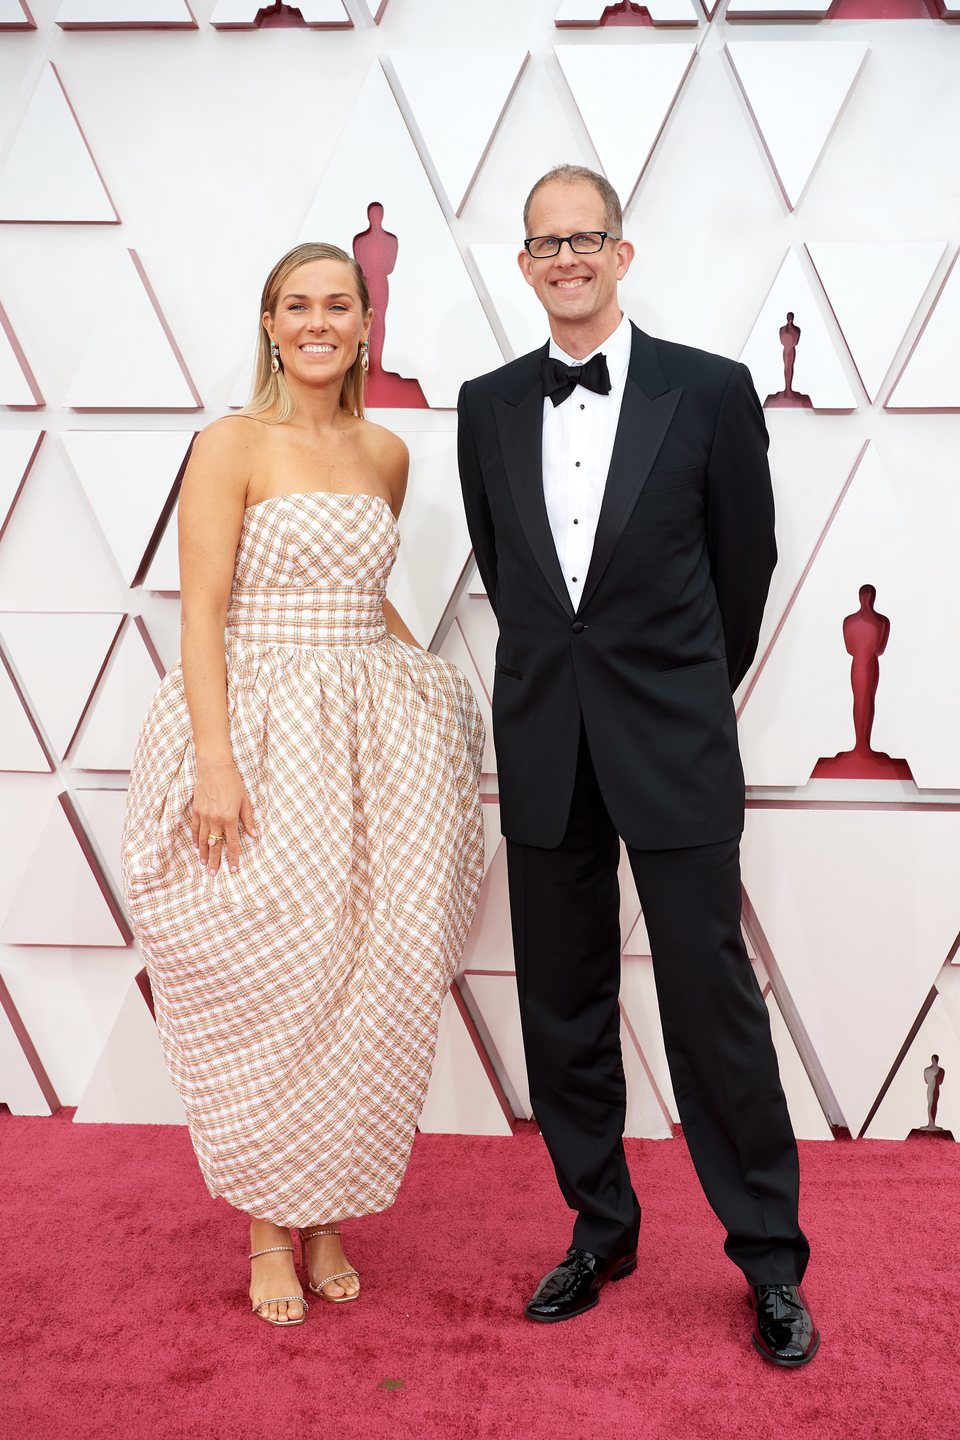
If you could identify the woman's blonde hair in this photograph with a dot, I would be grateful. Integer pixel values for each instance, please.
(270, 389)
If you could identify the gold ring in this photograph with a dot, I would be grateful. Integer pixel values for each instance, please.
(216, 839)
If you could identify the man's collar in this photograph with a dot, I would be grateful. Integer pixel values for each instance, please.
(616, 347)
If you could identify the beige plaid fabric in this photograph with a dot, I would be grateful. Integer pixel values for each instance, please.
(298, 1001)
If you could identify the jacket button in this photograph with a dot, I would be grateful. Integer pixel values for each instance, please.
(578, 627)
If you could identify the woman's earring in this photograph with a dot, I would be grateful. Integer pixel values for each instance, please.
(275, 356)
(364, 355)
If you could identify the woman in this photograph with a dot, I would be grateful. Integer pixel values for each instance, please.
(303, 844)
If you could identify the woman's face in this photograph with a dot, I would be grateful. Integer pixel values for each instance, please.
(318, 322)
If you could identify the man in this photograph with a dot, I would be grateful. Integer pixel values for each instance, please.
(619, 503)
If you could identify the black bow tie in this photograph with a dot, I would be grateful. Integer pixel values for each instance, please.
(561, 380)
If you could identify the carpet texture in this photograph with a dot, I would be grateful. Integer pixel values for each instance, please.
(125, 1310)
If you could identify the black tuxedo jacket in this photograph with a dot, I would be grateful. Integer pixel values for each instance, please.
(671, 606)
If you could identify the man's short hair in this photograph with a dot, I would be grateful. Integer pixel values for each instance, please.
(577, 175)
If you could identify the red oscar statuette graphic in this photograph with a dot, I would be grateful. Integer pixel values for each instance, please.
(375, 251)
(788, 398)
(865, 635)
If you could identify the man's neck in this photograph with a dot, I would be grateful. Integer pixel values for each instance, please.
(579, 341)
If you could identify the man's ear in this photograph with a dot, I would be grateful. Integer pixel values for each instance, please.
(526, 266)
(625, 254)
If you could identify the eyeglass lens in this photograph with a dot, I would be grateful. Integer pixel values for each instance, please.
(585, 243)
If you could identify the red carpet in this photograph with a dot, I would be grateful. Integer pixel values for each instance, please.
(125, 1311)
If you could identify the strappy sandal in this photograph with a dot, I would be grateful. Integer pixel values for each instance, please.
(277, 1299)
(305, 1237)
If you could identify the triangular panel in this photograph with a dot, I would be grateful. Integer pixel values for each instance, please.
(108, 735)
(857, 944)
(930, 380)
(874, 289)
(625, 94)
(806, 1112)
(461, 1099)
(372, 10)
(15, 15)
(795, 130)
(127, 476)
(816, 380)
(646, 1117)
(495, 997)
(801, 708)
(50, 175)
(430, 89)
(810, 466)
(490, 942)
(512, 300)
(132, 361)
(126, 15)
(432, 523)
(18, 450)
(436, 330)
(20, 745)
(102, 814)
(130, 1084)
(163, 572)
(61, 900)
(25, 1086)
(917, 1089)
(18, 385)
(250, 14)
(641, 1017)
(58, 659)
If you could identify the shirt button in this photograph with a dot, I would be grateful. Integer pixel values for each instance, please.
(576, 522)
(583, 407)
(577, 463)
(578, 627)
(574, 579)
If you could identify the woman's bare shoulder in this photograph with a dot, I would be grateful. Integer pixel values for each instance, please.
(229, 437)
(386, 447)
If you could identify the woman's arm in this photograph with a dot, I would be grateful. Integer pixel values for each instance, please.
(210, 517)
(394, 464)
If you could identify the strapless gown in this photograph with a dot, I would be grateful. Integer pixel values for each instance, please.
(298, 1001)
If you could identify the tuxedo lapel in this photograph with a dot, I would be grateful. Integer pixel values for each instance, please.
(645, 415)
(520, 428)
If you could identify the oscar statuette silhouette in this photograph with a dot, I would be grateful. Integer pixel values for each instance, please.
(788, 398)
(933, 1075)
(375, 250)
(865, 636)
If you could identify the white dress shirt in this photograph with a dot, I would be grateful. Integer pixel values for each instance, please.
(578, 437)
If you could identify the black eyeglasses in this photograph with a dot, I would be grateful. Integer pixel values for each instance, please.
(586, 242)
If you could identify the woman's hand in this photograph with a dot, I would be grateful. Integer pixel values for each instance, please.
(220, 808)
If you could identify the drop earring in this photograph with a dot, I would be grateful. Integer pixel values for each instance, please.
(364, 356)
(274, 356)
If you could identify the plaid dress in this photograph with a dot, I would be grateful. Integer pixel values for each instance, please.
(298, 1001)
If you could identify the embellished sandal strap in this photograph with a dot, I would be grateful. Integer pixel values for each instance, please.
(270, 1250)
(277, 1299)
(307, 1235)
(340, 1275)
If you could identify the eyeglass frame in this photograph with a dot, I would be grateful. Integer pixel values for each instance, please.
(605, 235)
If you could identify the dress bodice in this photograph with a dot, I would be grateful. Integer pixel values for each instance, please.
(312, 569)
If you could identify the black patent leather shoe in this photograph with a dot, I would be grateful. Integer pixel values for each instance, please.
(574, 1286)
(783, 1329)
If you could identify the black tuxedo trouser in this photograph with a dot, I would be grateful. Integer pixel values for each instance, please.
(565, 913)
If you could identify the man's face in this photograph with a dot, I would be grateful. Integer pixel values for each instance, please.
(575, 289)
